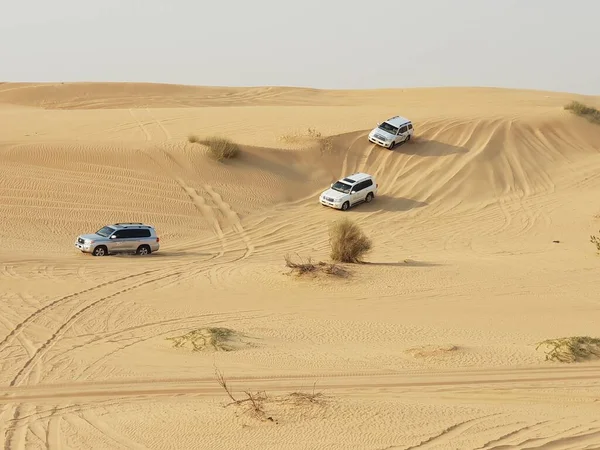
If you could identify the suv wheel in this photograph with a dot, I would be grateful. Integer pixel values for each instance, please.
(407, 138)
(100, 251)
(392, 145)
(143, 250)
(369, 197)
(345, 206)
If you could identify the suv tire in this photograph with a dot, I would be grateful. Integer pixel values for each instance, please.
(369, 197)
(345, 206)
(143, 250)
(101, 250)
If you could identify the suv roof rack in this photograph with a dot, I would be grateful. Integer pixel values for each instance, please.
(129, 223)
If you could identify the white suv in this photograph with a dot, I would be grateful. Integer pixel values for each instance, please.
(350, 191)
(391, 132)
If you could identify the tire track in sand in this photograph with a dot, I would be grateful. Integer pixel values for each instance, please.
(206, 212)
(64, 327)
(16, 330)
(447, 434)
(348, 151)
(197, 200)
(160, 124)
(207, 386)
(106, 430)
(15, 433)
(27, 346)
(233, 219)
(53, 433)
(142, 127)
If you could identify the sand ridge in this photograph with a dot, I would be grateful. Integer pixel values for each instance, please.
(481, 251)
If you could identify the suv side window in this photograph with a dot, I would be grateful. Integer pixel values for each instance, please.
(403, 129)
(140, 233)
(128, 234)
(360, 186)
(410, 127)
(367, 183)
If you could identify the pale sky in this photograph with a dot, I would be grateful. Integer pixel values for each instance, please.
(532, 44)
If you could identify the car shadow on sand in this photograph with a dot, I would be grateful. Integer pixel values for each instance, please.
(165, 254)
(387, 203)
(421, 146)
(405, 263)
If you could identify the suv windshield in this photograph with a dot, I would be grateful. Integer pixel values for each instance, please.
(389, 128)
(105, 231)
(341, 187)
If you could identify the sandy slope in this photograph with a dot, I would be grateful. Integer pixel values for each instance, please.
(432, 345)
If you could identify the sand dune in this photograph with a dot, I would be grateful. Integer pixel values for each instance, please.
(481, 250)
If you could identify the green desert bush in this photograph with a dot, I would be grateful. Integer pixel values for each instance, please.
(591, 114)
(348, 243)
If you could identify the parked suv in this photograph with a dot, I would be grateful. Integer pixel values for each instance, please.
(391, 132)
(349, 191)
(120, 238)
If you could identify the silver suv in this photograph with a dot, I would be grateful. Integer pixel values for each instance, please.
(120, 238)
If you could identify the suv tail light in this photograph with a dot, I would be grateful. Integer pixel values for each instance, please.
(157, 239)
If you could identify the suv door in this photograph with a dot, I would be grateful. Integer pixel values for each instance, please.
(117, 241)
(133, 238)
(358, 193)
(368, 187)
(140, 236)
(402, 133)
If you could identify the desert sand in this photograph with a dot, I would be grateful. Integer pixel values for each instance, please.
(481, 250)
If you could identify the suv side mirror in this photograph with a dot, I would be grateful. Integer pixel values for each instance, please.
(353, 192)
(113, 237)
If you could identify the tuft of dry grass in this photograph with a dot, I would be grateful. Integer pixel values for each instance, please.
(219, 148)
(596, 241)
(302, 268)
(348, 243)
(428, 351)
(571, 349)
(325, 144)
(591, 114)
(300, 398)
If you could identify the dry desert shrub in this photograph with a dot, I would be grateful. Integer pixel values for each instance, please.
(348, 243)
(193, 139)
(219, 339)
(302, 268)
(219, 148)
(571, 349)
(259, 403)
(591, 114)
(596, 241)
